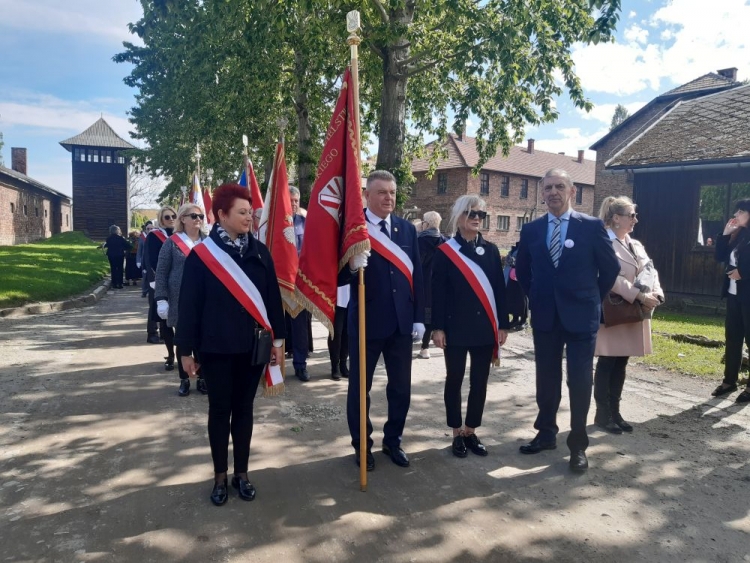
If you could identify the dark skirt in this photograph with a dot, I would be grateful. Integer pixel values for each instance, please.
(132, 272)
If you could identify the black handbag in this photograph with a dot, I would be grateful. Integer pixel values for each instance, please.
(618, 311)
(261, 354)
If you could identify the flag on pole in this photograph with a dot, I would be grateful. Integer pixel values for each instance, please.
(335, 228)
(257, 199)
(278, 234)
(196, 194)
(207, 201)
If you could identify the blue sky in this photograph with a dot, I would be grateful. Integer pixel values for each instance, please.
(58, 76)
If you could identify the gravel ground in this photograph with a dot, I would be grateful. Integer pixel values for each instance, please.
(100, 460)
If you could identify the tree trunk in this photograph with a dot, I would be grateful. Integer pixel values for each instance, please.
(305, 163)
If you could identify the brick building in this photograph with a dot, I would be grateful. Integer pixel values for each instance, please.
(100, 180)
(29, 210)
(509, 185)
(610, 181)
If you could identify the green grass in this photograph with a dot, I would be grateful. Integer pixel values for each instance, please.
(695, 360)
(49, 270)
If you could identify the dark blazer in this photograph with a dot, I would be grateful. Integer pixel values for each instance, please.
(724, 247)
(456, 309)
(389, 303)
(151, 253)
(428, 241)
(116, 246)
(575, 289)
(211, 320)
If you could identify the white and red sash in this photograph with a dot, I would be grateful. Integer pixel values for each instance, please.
(183, 242)
(478, 281)
(228, 272)
(160, 234)
(389, 250)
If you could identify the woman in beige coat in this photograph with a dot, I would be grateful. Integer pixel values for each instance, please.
(615, 345)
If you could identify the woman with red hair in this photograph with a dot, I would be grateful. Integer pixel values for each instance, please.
(229, 293)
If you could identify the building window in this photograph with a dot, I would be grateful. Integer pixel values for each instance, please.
(715, 209)
(119, 158)
(579, 195)
(442, 183)
(486, 222)
(524, 189)
(45, 213)
(36, 212)
(484, 187)
(503, 223)
(12, 207)
(96, 155)
(25, 211)
(79, 155)
(67, 221)
(520, 222)
(505, 186)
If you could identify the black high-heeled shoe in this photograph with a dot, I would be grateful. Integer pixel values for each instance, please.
(244, 488)
(220, 494)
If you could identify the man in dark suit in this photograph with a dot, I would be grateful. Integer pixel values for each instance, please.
(394, 315)
(566, 266)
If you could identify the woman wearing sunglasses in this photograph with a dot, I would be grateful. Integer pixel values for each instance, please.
(187, 233)
(164, 229)
(468, 317)
(615, 344)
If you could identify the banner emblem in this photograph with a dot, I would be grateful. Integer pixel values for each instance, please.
(330, 198)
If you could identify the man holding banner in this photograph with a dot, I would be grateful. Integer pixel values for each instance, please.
(394, 314)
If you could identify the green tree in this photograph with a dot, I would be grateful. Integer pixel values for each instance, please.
(620, 115)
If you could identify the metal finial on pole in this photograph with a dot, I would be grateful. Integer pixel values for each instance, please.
(281, 123)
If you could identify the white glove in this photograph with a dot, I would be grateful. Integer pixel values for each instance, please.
(417, 331)
(138, 265)
(162, 309)
(152, 285)
(359, 260)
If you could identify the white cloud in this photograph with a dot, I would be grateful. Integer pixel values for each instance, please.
(632, 14)
(666, 35)
(570, 140)
(84, 18)
(617, 68)
(604, 112)
(636, 34)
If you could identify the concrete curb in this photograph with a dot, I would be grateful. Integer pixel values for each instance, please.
(56, 306)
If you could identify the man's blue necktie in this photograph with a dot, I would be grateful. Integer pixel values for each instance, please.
(555, 244)
(384, 228)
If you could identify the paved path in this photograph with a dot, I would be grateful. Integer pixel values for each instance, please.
(100, 460)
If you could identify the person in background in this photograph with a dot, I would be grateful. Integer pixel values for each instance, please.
(132, 271)
(733, 248)
(116, 247)
(418, 225)
(154, 241)
(214, 324)
(300, 324)
(257, 216)
(187, 233)
(616, 344)
(468, 317)
(429, 239)
(338, 346)
(139, 262)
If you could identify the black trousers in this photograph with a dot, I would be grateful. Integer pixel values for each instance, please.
(232, 383)
(338, 346)
(152, 322)
(736, 333)
(116, 265)
(300, 339)
(426, 337)
(396, 351)
(479, 373)
(609, 379)
(548, 353)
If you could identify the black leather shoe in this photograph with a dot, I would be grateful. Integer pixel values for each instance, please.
(335, 375)
(344, 370)
(153, 339)
(244, 488)
(619, 421)
(201, 386)
(288, 354)
(169, 364)
(608, 425)
(722, 390)
(302, 374)
(743, 397)
(184, 388)
(536, 446)
(369, 457)
(397, 456)
(578, 461)
(219, 495)
(473, 443)
(459, 447)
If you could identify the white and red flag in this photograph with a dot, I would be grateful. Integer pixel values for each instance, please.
(277, 231)
(335, 227)
(196, 194)
(251, 184)
(207, 202)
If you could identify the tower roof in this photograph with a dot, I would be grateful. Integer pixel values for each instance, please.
(100, 134)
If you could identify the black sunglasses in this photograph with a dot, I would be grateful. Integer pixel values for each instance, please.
(631, 215)
(169, 217)
(196, 216)
(474, 214)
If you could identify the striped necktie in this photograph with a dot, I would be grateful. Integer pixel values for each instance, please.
(555, 245)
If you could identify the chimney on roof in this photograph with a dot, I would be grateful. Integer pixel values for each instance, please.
(531, 146)
(461, 132)
(18, 159)
(730, 73)
(580, 155)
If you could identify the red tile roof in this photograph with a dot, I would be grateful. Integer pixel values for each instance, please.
(463, 154)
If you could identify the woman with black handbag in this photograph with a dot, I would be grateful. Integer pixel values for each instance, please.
(231, 315)
(623, 334)
(733, 248)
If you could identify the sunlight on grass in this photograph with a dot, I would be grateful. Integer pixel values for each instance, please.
(49, 270)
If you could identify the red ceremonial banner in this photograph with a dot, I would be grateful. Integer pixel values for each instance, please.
(279, 233)
(207, 203)
(335, 228)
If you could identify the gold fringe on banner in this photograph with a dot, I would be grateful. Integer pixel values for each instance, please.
(358, 248)
(316, 312)
(273, 391)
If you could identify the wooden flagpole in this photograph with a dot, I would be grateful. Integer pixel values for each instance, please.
(353, 27)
